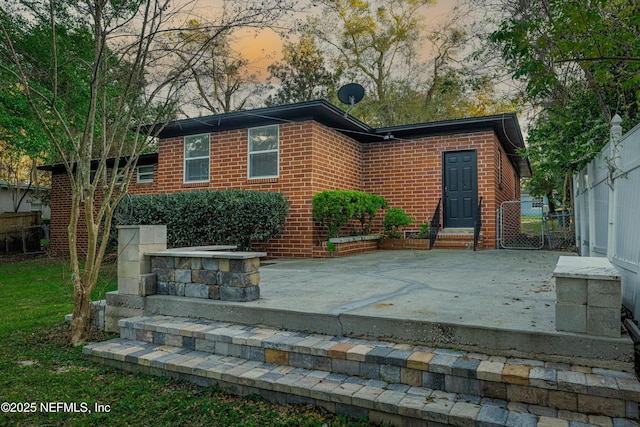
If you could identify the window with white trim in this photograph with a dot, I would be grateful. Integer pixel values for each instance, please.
(145, 174)
(196, 158)
(263, 152)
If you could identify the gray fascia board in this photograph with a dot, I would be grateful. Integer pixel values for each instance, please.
(505, 126)
(321, 111)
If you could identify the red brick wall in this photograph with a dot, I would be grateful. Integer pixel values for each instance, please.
(337, 165)
(60, 214)
(337, 161)
(408, 174)
(61, 210)
(228, 170)
(507, 187)
(314, 158)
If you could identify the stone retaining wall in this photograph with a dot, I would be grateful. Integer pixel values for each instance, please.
(146, 268)
(197, 275)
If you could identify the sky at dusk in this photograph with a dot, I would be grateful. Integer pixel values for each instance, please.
(264, 47)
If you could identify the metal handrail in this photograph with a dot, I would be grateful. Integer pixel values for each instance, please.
(434, 226)
(478, 225)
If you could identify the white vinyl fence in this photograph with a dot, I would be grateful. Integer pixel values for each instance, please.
(607, 209)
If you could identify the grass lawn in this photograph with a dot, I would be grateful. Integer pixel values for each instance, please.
(534, 225)
(37, 366)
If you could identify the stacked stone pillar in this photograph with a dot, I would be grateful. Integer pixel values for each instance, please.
(135, 280)
(588, 296)
(146, 268)
(134, 241)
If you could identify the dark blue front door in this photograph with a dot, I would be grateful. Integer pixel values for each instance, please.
(460, 188)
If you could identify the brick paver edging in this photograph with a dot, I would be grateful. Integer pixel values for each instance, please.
(380, 402)
(546, 384)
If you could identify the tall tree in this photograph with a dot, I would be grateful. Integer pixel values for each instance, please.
(16, 172)
(21, 144)
(220, 75)
(575, 57)
(553, 43)
(561, 140)
(381, 44)
(369, 40)
(98, 71)
(301, 74)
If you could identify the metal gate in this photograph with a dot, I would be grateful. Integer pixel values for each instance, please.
(521, 225)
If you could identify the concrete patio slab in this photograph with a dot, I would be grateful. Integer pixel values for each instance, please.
(500, 302)
(494, 289)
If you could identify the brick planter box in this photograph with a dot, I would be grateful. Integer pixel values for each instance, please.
(344, 246)
(406, 244)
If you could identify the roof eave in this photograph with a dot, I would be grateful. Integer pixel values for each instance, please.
(143, 159)
(505, 126)
(319, 110)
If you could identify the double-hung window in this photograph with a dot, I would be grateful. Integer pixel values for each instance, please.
(145, 174)
(196, 158)
(263, 152)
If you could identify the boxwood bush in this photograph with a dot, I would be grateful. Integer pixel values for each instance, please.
(229, 217)
(394, 219)
(335, 208)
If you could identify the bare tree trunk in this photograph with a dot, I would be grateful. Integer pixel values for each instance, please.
(123, 94)
(79, 313)
(81, 321)
(565, 190)
(552, 205)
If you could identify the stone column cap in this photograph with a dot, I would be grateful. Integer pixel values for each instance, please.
(208, 254)
(204, 248)
(577, 267)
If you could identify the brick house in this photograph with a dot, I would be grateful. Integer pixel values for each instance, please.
(301, 149)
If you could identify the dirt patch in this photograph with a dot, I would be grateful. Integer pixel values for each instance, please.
(383, 305)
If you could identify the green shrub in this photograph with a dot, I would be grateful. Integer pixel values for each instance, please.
(230, 217)
(335, 208)
(424, 231)
(395, 218)
(367, 206)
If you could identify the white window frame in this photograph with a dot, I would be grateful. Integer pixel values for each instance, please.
(208, 157)
(250, 153)
(144, 177)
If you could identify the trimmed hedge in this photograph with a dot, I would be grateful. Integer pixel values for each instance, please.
(335, 208)
(394, 219)
(229, 217)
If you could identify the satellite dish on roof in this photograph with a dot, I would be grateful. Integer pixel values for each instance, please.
(350, 94)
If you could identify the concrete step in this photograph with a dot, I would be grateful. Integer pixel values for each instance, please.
(379, 401)
(456, 239)
(560, 387)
